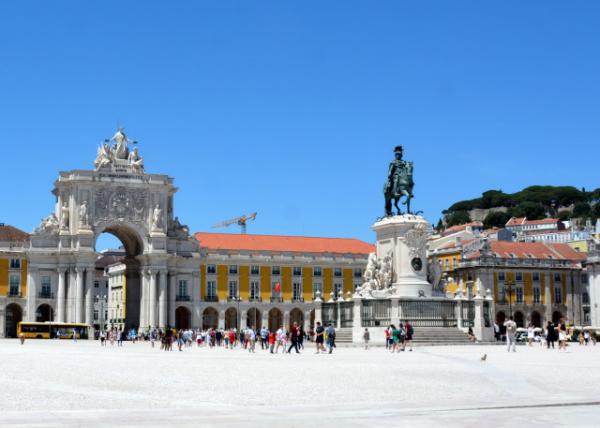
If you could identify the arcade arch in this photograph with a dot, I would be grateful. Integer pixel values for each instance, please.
(183, 318)
(254, 318)
(275, 319)
(44, 313)
(13, 315)
(231, 319)
(210, 318)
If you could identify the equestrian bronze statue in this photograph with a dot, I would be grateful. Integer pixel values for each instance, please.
(399, 184)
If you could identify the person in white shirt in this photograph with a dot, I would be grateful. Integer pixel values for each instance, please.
(511, 330)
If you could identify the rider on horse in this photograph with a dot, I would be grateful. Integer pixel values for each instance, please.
(399, 183)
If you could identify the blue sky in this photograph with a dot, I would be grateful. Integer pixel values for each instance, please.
(292, 109)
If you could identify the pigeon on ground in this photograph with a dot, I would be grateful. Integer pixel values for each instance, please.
(484, 357)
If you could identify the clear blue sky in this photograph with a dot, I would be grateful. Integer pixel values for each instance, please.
(292, 109)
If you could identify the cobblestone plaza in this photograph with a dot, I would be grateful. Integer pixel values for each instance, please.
(48, 383)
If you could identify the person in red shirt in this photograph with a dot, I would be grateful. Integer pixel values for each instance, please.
(294, 333)
(272, 341)
(231, 338)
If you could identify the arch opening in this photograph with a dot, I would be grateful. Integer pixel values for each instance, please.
(44, 313)
(231, 319)
(13, 314)
(118, 247)
(275, 319)
(519, 319)
(254, 318)
(210, 318)
(296, 316)
(183, 318)
(536, 319)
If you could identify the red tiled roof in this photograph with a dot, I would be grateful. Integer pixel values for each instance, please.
(454, 244)
(12, 234)
(522, 221)
(459, 227)
(533, 250)
(278, 243)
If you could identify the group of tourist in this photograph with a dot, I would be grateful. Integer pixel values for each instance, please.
(549, 336)
(246, 338)
(397, 339)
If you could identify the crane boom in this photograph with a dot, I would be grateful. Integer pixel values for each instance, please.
(240, 221)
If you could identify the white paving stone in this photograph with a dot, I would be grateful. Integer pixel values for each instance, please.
(65, 383)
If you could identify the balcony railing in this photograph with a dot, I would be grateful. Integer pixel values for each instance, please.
(297, 299)
(276, 299)
(211, 299)
(46, 295)
(232, 298)
(255, 299)
(14, 292)
(182, 298)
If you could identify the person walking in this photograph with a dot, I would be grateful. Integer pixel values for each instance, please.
(497, 332)
(102, 338)
(320, 337)
(272, 340)
(251, 340)
(301, 338)
(294, 332)
(562, 335)
(409, 334)
(331, 337)
(366, 338)
(264, 338)
(530, 334)
(550, 335)
(511, 330)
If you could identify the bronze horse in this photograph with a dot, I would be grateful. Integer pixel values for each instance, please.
(400, 184)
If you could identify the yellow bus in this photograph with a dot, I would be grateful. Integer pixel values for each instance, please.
(52, 330)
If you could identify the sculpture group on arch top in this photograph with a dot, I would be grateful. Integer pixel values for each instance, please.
(117, 203)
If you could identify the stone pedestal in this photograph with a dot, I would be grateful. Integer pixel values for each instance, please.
(404, 238)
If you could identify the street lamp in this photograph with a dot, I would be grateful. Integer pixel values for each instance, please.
(509, 284)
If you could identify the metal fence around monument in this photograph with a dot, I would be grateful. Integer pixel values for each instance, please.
(375, 313)
(468, 313)
(428, 313)
(346, 314)
(329, 313)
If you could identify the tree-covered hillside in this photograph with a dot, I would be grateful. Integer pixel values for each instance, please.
(533, 202)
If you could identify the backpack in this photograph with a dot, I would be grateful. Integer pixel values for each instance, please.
(411, 330)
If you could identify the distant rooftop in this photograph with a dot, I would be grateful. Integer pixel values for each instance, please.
(12, 234)
(282, 244)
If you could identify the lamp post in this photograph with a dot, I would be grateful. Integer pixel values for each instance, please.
(508, 285)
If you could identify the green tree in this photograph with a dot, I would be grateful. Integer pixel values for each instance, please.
(458, 217)
(496, 219)
(582, 210)
(531, 210)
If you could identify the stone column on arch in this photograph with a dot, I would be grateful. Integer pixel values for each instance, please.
(79, 296)
(548, 296)
(144, 289)
(196, 318)
(162, 299)
(61, 295)
(221, 319)
(71, 297)
(152, 300)
(172, 296)
(2, 322)
(89, 297)
(32, 282)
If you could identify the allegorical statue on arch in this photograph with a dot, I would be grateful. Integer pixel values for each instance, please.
(118, 154)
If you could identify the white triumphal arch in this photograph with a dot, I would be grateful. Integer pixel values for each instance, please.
(120, 198)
